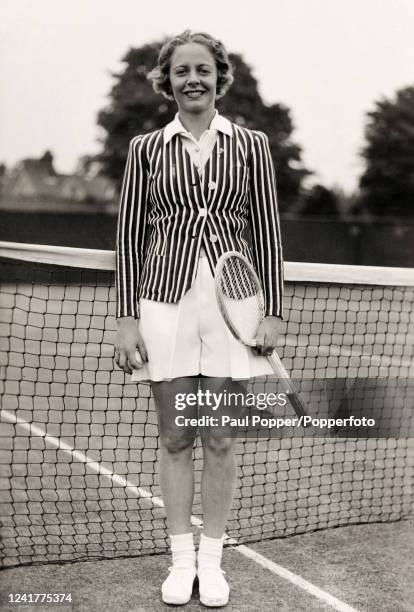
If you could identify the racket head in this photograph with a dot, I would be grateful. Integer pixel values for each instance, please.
(239, 296)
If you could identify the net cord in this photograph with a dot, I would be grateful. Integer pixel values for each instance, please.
(293, 270)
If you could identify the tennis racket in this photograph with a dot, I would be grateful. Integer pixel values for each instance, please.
(241, 302)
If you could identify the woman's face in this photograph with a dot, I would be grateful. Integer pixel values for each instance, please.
(193, 77)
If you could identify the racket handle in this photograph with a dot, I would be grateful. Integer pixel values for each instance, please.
(289, 388)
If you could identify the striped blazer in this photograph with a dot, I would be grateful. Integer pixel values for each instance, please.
(167, 212)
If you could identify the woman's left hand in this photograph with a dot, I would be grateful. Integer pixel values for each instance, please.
(266, 337)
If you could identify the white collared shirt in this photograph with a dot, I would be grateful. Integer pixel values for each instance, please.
(200, 150)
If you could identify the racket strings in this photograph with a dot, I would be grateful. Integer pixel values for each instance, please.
(236, 280)
(242, 298)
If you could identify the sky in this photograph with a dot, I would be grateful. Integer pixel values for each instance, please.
(328, 61)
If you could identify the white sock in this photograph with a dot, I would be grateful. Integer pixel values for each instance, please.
(183, 550)
(210, 551)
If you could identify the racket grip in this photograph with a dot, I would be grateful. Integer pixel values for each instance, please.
(292, 393)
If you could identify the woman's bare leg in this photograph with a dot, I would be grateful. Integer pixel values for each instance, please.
(176, 449)
(177, 484)
(219, 470)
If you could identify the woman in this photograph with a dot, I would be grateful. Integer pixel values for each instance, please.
(192, 191)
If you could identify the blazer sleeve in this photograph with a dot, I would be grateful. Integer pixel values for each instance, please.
(130, 243)
(265, 226)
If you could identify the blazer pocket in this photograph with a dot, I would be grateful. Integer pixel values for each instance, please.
(240, 169)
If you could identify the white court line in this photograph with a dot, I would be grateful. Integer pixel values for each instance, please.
(280, 571)
(298, 581)
(82, 458)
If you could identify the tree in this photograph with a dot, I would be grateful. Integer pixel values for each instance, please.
(136, 109)
(387, 185)
(320, 201)
(3, 171)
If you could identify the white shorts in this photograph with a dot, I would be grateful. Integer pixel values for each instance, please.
(190, 338)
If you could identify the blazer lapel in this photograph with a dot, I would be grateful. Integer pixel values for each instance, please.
(190, 178)
(217, 168)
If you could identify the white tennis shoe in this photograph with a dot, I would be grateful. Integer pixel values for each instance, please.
(178, 587)
(213, 587)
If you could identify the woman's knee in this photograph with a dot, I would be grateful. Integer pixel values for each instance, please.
(176, 445)
(218, 446)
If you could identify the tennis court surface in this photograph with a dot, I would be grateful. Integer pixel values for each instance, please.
(79, 443)
(364, 567)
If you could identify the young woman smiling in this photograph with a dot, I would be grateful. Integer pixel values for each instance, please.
(192, 191)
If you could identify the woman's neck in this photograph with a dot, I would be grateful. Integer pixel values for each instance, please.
(197, 123)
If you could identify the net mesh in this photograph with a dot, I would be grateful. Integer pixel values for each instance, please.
(79, 441)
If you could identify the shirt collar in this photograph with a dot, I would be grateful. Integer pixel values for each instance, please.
(219, 123)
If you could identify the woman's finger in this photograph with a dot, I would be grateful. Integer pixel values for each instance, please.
(268, 345)
(121, 359)
(123, 362)
(260, 341)
(142, 350)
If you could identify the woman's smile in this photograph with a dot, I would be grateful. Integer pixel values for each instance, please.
(197, 93)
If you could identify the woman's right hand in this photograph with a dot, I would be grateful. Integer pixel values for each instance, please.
(128, 342)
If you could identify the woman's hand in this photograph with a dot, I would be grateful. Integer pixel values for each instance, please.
(266, 337)
(128, 341)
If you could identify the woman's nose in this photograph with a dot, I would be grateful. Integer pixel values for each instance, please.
(193, 77)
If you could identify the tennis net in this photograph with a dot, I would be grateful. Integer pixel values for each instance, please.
(79, 441)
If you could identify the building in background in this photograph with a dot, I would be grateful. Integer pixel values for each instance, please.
(34, 184)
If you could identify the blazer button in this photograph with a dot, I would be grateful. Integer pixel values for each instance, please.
(213, 238)
(202, 212)
(212, 185)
